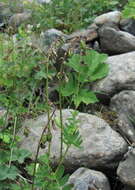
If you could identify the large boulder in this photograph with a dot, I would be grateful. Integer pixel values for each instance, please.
(126, 169)
(19, 18)
(84, 179)
(113, 16)
(36, 1)
(5, 14)
(128, 25)
(121, 75)
(124, 104)
(102, 146)
(113, 41)
(52, 38)
(87, 35)
(73, 41)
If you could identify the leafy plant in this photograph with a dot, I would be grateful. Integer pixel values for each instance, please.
(129, 9)
(68, 15)
(25, 76)
(85, 68)
(22, 73)
(48, 179)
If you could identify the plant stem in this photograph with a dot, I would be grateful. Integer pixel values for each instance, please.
(63, 157)
(38, 148)
(61, 123)
(61, 117)
(14, 132)
(48, 109)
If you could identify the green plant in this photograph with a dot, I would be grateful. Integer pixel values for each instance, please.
(44, 176)
(21, 74)
(85, 70)
(25, 76)
(129, 9)
(10, 157)
(68, 15)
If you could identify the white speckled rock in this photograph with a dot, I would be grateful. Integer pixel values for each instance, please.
(84, 179)
(102, 146)
(113, 16)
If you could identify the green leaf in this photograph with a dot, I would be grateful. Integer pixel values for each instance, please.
(4, 156)
(129, 9)
(15, 187)
(45, 159)
(20, 155)
(64, 180)
(74, 62)
(97, 68)
(85, 96)
(67, 187)
(6, 138)
(5, 186)
(71, 134)
(40, 75)
(69, 87)
(60, 172)
(100, 72)
(30, 168)
(58, 122)
(8, 172)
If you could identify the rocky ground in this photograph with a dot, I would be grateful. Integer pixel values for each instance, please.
(107, 159)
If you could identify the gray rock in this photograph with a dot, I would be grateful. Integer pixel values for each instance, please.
(127, 188)
(124, 104)
(85, 179)
(16, 6)
(5, 14)
(37, 1)
(113, 16)
(43, 1)
(73, 41)
(126, 169)
(128, 25)
(121, 75)
(86, 35)
(2, 112)
(3, 115)
(96, 46)
(113, 41)
(102, 146)
(52, 38)
(19, 18)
